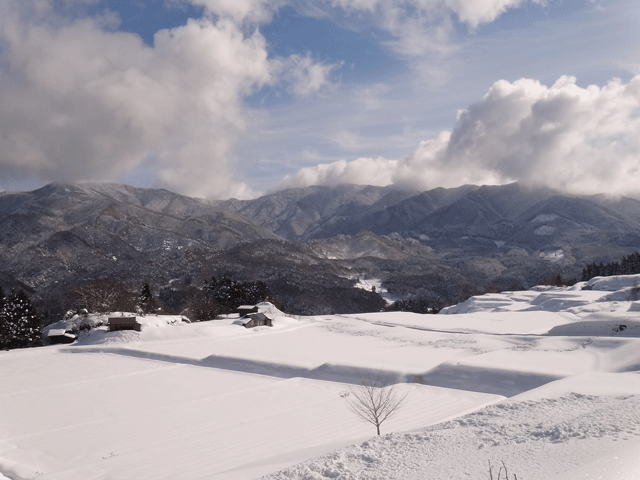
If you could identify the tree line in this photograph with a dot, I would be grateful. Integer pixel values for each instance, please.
(629, 265)
(205, 302)
(218, 297)
(21, 325)
(414, 305)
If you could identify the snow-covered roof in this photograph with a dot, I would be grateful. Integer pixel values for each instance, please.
(132, 320)
(56, 332)
(248, 318)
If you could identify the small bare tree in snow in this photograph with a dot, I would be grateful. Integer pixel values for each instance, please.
(374, 400)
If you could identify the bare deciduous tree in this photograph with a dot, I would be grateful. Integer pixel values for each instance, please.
(202, 306)
(104, 295)
(374, 400)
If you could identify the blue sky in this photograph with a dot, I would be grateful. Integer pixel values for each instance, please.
(221, 98)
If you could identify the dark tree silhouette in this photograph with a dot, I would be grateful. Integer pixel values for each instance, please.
(19, 322)
(629, 265)
(146, 302)
(230, 294)
(202, 305)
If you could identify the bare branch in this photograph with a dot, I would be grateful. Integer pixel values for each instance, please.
(506, 472)
(104, 295)
(374, 401)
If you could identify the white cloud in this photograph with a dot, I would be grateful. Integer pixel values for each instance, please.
(471, 12)
(255, 11)
(365, 171)
(581, 140)
(418, 28)
(304, 75)
(347, 140)
(80, 102)
(477, 12)
(563, 136)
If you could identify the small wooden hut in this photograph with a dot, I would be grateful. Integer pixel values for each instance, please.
(244, 310)
(124, 323)
(57, 336)
(257, 320)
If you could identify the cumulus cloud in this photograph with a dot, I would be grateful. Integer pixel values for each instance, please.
(364, 171)
(477, 12)
(581, 140)
(83, 102)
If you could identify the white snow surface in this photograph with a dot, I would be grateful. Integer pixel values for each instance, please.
(615, 283)
(546, 380)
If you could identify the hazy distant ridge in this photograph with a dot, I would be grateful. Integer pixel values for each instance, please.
(503, 213)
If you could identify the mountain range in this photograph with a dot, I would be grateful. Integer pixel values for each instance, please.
(441, 244)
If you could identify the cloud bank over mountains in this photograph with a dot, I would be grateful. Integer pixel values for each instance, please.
(582, 140)
(83, 100)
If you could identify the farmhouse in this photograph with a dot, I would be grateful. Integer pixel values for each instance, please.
(246, 310)
(59, 335)
(124, 323)
(257, 320)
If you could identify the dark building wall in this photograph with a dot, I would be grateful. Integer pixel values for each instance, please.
(124, 323)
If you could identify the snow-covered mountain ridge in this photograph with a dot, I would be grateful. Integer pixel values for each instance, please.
(545, 380)
(62, 233)
(511, 213)
(440, 245)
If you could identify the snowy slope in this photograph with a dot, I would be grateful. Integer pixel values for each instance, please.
(566, 430)
(585, 424)
(546, 380)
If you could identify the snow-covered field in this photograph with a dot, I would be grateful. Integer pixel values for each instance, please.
(545, 380)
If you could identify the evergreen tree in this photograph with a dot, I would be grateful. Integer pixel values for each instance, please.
(19, 322)
(4, 328)
(415, 305)
(628, 266)
(229, 294)
(146, 302)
